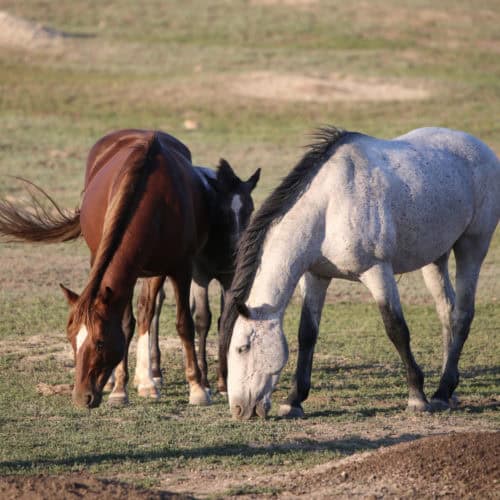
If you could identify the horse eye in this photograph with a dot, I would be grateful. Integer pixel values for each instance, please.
(99, 345)
(244, 348)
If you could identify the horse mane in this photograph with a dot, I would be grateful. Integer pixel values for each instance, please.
(272, 210)
(134, 174)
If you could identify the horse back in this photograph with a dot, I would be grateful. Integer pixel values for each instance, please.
(408, 200)
(168, 221)
(480, 161)
(117, 141)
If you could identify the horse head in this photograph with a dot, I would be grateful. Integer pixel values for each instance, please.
(98, 342)
(257, 353)
(234, 202)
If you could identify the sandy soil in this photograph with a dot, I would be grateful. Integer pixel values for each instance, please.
(298, 87)
(71, 486)
(456, 465)
(22, 33)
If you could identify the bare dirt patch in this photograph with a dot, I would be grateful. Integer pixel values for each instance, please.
(38, 348)
(22, 33)
(19, 32)
(295, 87)
(454, 465)
(415, 458)
(71, 486)
(288, 3)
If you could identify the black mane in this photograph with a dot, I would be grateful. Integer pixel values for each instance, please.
(272, 210)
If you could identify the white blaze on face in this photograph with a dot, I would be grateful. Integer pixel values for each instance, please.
(81, 336)
(236, 205)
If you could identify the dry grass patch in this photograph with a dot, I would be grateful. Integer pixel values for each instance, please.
(296, 87)
(287, 3)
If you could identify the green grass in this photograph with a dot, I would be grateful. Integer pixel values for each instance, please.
(357, 378)
(154, 65)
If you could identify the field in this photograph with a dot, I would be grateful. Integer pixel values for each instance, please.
(247, 80)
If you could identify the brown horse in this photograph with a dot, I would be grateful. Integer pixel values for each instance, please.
(143, 214)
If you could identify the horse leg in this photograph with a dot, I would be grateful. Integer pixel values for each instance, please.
(221, 380)
(380, 281)
(469, 254)
(185, 329)
(155, 341)
(143, 379)
(438, 283)
(119, 396)
(202, 316)
(313, 290)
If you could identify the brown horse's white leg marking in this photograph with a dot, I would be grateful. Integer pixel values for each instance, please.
(143, 373)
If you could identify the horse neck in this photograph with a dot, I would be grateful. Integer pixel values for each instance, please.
(217, 255)
(289, 250)
(120, 276)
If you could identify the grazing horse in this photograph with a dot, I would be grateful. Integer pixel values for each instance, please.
(144, 213)
(232, 205)
(362, 209)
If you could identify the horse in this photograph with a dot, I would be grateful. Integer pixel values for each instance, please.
(144, 213)
(231, 205)
(361, 209)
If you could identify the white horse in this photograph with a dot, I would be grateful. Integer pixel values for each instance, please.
(362, 209)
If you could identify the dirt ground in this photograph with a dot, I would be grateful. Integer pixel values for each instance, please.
(455, 465)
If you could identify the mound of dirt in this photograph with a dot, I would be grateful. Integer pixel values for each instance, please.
(454, 465)
(72, 486)
(21, 33)
(295, 87)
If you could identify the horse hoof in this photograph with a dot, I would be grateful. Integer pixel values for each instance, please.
(454, 402)
(223, 394)
(118, 400)
(439, 404)
(288, 411)
(158, 382)
(199, 397)
(418, 405)
(148, 392)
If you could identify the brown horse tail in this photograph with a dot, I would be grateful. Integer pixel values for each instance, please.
(37, 223)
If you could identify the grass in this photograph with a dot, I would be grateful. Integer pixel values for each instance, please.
(154, 66)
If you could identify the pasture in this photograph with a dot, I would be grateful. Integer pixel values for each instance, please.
(246, 80)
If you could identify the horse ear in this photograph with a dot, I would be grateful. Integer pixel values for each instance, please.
(225, 175)
(243, 309)
(252, 181)
(71, 296)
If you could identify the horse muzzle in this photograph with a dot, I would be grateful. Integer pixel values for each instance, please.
(246, 412)
(86, 399)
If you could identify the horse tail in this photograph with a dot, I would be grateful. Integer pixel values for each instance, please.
(38, 224)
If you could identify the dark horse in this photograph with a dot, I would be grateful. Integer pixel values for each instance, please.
(231, 207)
(144, 213)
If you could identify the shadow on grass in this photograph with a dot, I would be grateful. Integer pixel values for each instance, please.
(347, 446)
